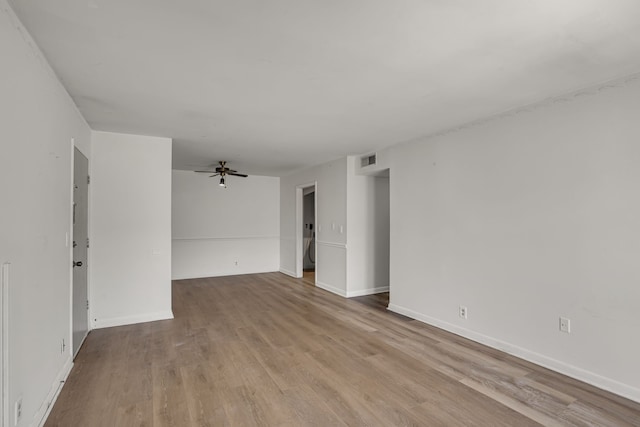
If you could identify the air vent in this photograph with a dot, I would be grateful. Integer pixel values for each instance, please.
(368, 160)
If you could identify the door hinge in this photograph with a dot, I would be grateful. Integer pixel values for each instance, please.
(88, 179)
(87, 242)
(87, 304)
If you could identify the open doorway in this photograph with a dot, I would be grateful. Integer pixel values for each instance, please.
(306, 232)
(369, 251)
(309, 233)
(381, 241)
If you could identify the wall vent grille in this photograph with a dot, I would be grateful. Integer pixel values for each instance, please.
(368, 160)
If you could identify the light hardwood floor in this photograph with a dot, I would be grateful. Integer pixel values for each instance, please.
(270, 350)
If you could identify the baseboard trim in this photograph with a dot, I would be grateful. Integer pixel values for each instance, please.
(131, 320)
(288, 273)
(594, 379)
(370, 291)
(45, 409)
(331, 289)
(206, 275)
(225, 239)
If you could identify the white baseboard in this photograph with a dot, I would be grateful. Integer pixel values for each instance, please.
(131, 320)
(217, 274)
(41, 416)
(288, 273)
(331, 289)
(624, 390)
(370, 291)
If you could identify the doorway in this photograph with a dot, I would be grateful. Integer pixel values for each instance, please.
(80, 304)
(382, 238)
(372, 236)
(306, 207)
(309, 233)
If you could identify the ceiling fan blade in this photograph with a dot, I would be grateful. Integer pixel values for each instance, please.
(237, 174)
(205, 171)
(215, 174)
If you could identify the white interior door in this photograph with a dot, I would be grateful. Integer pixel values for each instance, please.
(80, 243)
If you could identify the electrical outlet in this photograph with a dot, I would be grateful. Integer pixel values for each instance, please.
(462, 311)
(18, 411)
(565, 325)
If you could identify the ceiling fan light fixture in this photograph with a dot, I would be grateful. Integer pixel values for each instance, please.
(223, 171)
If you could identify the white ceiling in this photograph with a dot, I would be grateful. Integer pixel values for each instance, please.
(273, 86)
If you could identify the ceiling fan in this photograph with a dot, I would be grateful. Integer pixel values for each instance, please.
(223, 171)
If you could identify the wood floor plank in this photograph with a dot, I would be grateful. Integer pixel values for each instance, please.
(512, 403)
(169, 397)
(270, 350)
(341, 400)
(204, 395)
(309, 411)
(453, 403)
(138, 414)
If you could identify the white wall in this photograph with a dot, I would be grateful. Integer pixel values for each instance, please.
(37, 123)
(130, 275)
(331, 208)
(368, 237)
(524, 219)
(214, 228)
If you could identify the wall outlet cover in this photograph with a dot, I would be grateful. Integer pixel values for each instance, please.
(462, 311)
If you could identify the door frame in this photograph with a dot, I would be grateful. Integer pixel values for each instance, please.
(299, 220)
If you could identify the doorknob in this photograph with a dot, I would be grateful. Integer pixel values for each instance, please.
(77, 264)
